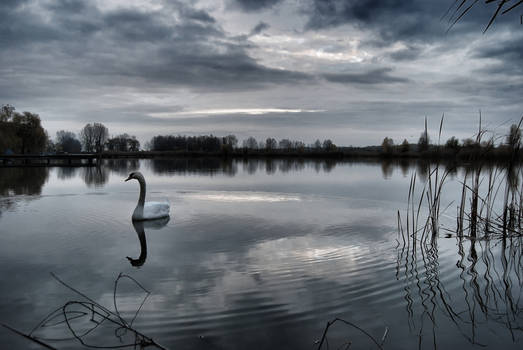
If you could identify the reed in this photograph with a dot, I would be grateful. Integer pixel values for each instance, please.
(478, 212)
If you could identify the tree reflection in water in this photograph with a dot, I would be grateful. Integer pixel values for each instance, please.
(20, 182)
(95, 176)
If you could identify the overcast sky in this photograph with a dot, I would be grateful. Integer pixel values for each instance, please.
(354, 71)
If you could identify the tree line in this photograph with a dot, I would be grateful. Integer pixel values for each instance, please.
(473, 147)
(23, 133)
(211, 143)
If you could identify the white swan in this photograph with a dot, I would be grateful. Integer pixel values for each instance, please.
(147, 210)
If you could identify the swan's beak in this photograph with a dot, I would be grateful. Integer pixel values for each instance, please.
(129, 178)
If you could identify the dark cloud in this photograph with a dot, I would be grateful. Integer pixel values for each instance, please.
(179, 46)
(376, 76)
(72, 61)
(409, 53)
(255, 5)
(392, 20)
(135, 26)
(233, 70)
(508, 50)
(505, 57)
(260, 27)
(198, 15)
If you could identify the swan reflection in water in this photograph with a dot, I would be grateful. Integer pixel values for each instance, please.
(139, 227)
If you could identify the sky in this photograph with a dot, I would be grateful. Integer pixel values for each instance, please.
(353, 71)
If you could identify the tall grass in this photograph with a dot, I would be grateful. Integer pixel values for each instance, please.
(478, 212)
(489, 212)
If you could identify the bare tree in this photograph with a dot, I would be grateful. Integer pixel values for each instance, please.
(328, 145)
(66, 141)
(387, 145)
(230, 142)
(405, 146)
(87, 138)
(271, 143)
(250, 143)
(285, 144)
(94, 136)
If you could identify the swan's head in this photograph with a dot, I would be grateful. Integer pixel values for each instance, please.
(135, 175)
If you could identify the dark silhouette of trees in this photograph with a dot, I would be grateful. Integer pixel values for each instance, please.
(405, 146)
(469, 143)
(204, 143)
(423, 142)
(229, 142)
(66, 141)
(250, 143)
(94, 137)
(21, 133)
(26, 132)
(271, 144)
(387, 145)
(452, 144)
(50, 146)
(328, 145)
(285, 144)
(87, 138)
(123, 143)
(6, 113)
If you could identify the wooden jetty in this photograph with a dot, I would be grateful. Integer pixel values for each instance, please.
(69, 159)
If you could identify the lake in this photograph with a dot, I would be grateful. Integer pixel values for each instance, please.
(256, 254)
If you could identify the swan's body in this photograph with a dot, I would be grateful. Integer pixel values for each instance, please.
(147, 210)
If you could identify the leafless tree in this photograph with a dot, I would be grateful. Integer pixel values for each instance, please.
(94, 136)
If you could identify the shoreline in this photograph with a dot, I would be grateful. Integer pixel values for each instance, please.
(496, 155)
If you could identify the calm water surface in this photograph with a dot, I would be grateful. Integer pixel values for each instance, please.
(255, 255)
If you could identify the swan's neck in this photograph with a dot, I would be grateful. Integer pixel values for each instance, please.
(141, 200)
(138, 211)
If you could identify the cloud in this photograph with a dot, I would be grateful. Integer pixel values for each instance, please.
(507, 54)
(392, 20)
(255, 5)
(122, 62)
(260, 27)
(231, 111)
(176, 45)
(409, 53)
(376, 76)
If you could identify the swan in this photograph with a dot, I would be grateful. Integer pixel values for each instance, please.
(147, 210)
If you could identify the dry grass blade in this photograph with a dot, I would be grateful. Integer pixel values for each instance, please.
(330, 323)
(99, 315)
(512, 7)
(500, 6)
(27, 336)
(455, 12)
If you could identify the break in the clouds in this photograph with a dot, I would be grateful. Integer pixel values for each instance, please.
(353, 71)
